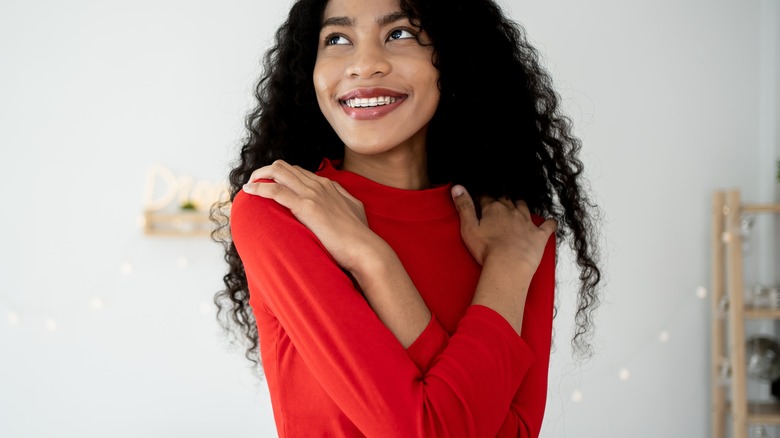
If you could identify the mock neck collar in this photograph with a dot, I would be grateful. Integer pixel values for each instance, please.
(382, 200)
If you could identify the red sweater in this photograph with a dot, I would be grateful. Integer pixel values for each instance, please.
(333, 369)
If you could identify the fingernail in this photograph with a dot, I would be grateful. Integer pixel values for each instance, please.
(457, 191)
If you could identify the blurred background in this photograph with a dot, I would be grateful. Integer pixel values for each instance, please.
(108, 107)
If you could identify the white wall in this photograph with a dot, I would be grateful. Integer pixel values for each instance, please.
(666, 96)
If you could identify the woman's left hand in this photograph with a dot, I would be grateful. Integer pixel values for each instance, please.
(337, 218)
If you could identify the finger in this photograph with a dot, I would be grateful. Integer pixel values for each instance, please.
(549, 226)
(310, 179)
(281, 173)
(522, 206)
(465, 206)
(253, 187)
(485, 201)
(264, 173)
(343, 192)
(260, 175)
(278, 192)
(506, 201)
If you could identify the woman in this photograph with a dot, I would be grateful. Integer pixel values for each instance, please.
(382, 300)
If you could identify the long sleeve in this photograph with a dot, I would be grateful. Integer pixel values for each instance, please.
(472, 378)
(526, 414)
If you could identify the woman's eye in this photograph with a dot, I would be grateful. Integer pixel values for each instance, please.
(400, 34)
(334, 40)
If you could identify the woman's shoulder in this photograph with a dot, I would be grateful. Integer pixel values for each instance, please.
(255, 216)
(247, 205)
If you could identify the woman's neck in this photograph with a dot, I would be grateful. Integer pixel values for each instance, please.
(406, 171)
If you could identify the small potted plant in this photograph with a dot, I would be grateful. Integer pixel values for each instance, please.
(188, 206)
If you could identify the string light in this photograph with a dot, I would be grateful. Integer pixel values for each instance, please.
(12, 318)
(96, 303)
(50, 325)
(662, 336)
(15, 315)
(206, 308)
(126, 268)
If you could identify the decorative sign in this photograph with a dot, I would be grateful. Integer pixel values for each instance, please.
(164, 189)
(179, 206)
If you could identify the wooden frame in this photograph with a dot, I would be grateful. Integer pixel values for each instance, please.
(728, 334)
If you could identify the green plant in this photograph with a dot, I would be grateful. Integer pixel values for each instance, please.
(188, 205)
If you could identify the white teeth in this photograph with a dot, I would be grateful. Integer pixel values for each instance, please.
(369, 102)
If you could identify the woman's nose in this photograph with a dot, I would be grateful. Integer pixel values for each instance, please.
(369, 60)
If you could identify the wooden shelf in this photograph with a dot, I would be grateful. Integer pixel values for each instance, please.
(761, 208)
(181, 224)
(767, 414)
(761, 313)
(728, 334)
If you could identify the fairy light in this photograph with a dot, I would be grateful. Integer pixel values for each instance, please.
(96, 304)
(182, 262)
(50, 325)
(12, 318)
(126, 268)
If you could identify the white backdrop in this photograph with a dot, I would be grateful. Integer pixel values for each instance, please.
(105, 332)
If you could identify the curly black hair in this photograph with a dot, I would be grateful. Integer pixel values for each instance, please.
(499, 131)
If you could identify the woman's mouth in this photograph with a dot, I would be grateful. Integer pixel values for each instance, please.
(369, 102)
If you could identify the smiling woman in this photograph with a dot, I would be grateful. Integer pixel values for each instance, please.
(382, 299)
(364, 58)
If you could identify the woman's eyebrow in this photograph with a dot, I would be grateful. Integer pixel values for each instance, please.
(338, 21)
(350, 22)
(392, 18)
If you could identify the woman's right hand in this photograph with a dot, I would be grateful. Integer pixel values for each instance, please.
(338, 220)
(336, 217)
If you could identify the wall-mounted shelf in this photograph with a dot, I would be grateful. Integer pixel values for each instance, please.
(761, 208)
(728, 334)
(761, 313)
(181, 224)
(767, 414)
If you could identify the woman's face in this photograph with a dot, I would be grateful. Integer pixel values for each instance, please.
(375, 83)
